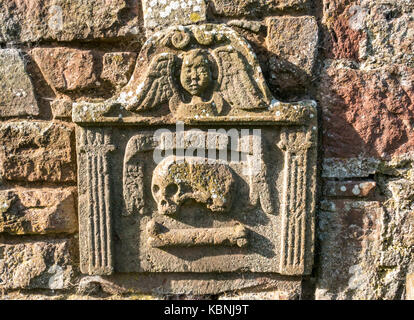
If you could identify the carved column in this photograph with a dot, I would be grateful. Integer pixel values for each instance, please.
(97, 257)
(297, 207)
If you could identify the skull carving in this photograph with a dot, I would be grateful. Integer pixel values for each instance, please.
(174, 182)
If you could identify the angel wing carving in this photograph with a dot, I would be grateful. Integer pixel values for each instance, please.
(158, 86)
(234, 82)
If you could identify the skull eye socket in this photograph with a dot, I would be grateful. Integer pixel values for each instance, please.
(155, 188)
(171, 190)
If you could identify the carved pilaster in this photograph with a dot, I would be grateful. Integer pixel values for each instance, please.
(297, 210)
(97, 257)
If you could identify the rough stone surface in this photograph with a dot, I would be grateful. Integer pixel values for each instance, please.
(17, 97)
(376, 33)
(117, 67)
(349, 188)
(67, 69)
(37, 211)
(343, 20)
(410, 287)
(266, 295)
(37, 20)
(389, 29)
(294, 39)
(367, 113)
(292, 43)
(232, 8)
(349, 235)
(67, 295)
(37, 264)
(366, 247)
(349, 168)
(37, 151)
(162, 13)
(61, 109)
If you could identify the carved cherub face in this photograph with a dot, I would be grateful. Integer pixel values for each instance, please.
(195, 72)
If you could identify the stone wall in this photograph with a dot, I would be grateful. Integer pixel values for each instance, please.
(354, 57)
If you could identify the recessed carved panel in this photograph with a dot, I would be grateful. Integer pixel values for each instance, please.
(194, 167)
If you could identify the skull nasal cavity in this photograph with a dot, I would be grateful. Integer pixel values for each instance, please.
(171, 189)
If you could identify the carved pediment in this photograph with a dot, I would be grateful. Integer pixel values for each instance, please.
(194, 73)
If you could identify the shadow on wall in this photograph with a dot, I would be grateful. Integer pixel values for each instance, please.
(287, 81)
(366, 113)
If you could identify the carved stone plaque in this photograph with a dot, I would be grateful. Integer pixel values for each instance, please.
(194, 167)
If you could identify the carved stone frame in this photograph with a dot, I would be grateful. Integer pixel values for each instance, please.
(298, 143)
(296, 122)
